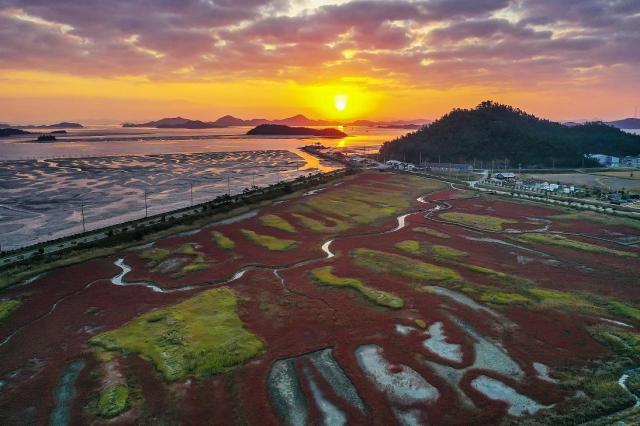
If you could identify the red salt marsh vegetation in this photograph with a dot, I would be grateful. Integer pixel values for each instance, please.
(379, 299)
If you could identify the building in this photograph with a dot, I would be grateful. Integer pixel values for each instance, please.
(605, 160)
(630, 161)
(505, 176)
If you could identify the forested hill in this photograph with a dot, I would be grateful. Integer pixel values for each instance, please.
(493, 131)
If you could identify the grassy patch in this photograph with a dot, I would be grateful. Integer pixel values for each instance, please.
(268, 241)
(222, 240)
(274, 221)
(562, 241)
(483, 270)
(7, 307)
(484, 222)
(409, 246)
(319, 226)
(620, 342)
(599, 218)
(519, 291)
(555, 299)
(325, 276)
(382, 262)
(498, 297)
(199, 262)
(113, 401)
(155, 255)
(432, 232)
(200, 336)
(368, 203)
(446, 252)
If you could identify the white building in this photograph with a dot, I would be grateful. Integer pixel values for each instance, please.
(606, 160)
(630, 161)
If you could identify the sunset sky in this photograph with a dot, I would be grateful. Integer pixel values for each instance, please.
(136, 60)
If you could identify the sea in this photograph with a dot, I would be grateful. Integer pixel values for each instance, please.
(102, 175)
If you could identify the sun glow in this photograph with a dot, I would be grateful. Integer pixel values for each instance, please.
(340, 102)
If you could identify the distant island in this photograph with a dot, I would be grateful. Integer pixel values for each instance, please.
(282, 130)
(8, 132)
(62, 125)
(494, 132)
(298, 120)
(175, 123)
(627, 123)
(400, 126)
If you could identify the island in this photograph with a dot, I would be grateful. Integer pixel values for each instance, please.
(46, 138)
(175, 123)
(282, 130)
(8, 132)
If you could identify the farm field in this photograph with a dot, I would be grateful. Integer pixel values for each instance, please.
(376, 299)
(614, 181)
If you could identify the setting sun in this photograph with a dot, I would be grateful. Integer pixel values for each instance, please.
(340, 102)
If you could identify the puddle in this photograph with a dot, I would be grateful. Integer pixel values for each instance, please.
(331, 415)
(313, 192)
(237, 218)
(331, 371)
(542, 372)
(622, 381)
(437, 344)
(620, 323)
(502, 242)
(286, 394)
(142, 247)
(403, 386)
(65, 393)
(490, 356)
(325, 248)
(401, 222)
(496, 390)
(461, 298)
(290, 402)
(404, 330)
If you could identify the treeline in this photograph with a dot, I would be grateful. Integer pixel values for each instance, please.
(493, 131)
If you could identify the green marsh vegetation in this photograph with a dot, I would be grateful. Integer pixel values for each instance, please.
(276, 222)
(366, 203)
(319, 226)
(409, 246)
(222, 241)
(484, 222)
(562, 241)
(200, 337)
(268, 241)
(156, 256)
(325, 276)
(113, 401)
(446, 252)
(7, 307)
(432, 232)
(382, 262)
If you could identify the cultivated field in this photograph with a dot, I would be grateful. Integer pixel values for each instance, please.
(610, 181)
(379, 299)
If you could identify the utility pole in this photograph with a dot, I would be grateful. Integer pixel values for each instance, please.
(84, 229)
(228, 186)
(191, 191)
(253, 180)
(146, 207)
